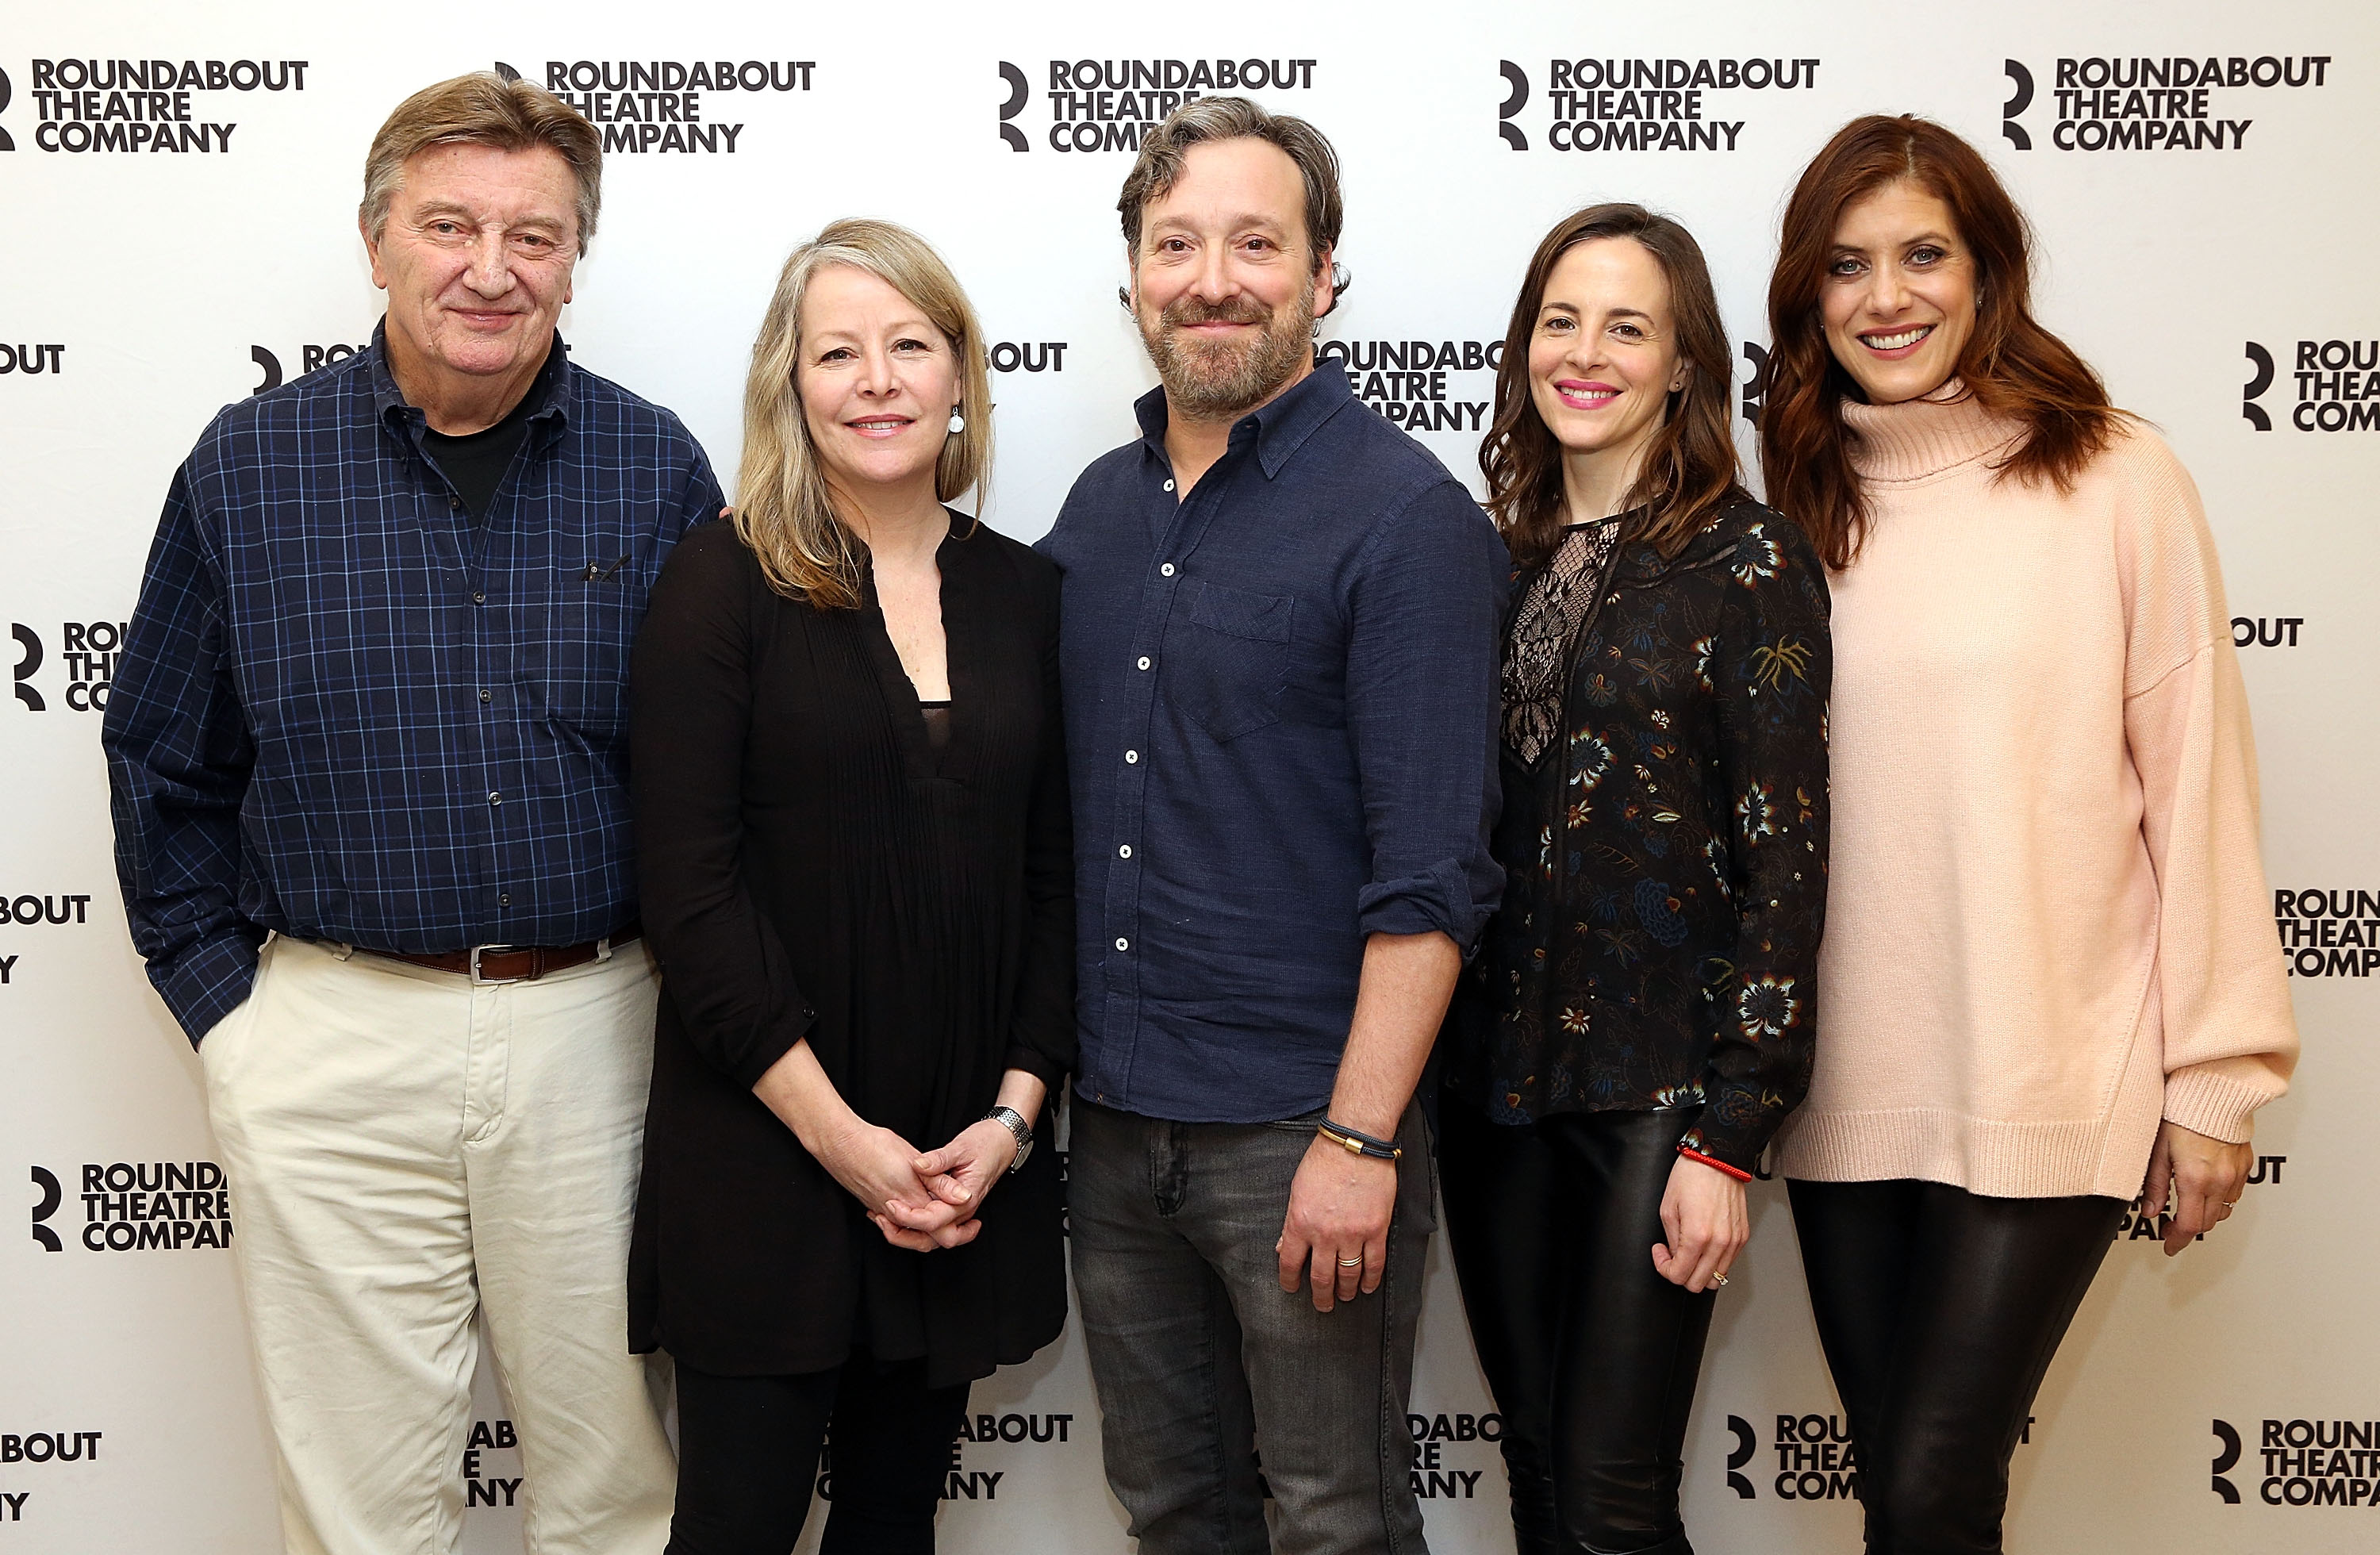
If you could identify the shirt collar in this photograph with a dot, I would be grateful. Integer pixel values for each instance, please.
(548, 394)
(1281, 425)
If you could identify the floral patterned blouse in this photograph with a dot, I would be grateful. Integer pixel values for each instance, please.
(1666, 857)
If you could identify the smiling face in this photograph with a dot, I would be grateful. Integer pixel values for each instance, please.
(1603, 355)
(1897, 304)
(476, 257)
(878, 383)
(1225, 286)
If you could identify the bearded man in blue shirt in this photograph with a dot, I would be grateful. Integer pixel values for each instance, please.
(1278, 657)
(367, 751)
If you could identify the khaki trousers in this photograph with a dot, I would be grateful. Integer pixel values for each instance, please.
(407, 1152)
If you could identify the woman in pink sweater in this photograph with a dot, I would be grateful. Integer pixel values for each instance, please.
(2048, 968)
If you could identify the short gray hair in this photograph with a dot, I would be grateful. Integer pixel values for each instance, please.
(482, 109)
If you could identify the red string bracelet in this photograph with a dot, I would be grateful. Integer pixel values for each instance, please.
(1735, 1172)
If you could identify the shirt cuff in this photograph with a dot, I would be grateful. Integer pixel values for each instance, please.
(1037, 1064)
(1735, 1145)
(1440, 900)
(773, 1044)
(206, 982)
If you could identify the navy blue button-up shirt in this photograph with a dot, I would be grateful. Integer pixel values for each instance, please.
(348, 711)
(1281, 702)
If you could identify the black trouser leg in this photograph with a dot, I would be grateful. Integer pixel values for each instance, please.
(749, 1455)
(1592, 1356)
(1941, 1311)
(892, 1437)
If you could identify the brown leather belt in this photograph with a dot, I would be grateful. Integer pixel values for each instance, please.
(515, 964)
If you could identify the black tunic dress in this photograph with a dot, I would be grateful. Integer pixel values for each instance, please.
(813, 866)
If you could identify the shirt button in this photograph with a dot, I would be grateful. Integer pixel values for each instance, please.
(1169, 485)
(1123, 944)
(478, 598)
(1166, 570)
(455, 503)
(1124, 852)
(1144, 661)
(495, 799)
(503, 898)
(1131, 757)
(486, 694)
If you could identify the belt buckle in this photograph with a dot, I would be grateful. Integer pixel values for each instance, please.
(478, 981)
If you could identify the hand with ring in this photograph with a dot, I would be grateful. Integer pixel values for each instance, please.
(2201, 1178)
(1707, 1223)
(1334, 1240)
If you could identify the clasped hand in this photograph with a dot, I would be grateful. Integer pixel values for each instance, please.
(920, 1200)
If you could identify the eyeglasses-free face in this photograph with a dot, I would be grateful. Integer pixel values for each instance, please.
(1603, 354)
(1897, 304)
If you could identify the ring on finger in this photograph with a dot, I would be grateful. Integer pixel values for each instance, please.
(1350, 1263)
(1716, 1282)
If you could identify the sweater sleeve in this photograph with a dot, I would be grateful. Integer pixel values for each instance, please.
(1042, 1035)
(2230, 1040)
(690, 700)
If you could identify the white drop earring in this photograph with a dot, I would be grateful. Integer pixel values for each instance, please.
(958, 422)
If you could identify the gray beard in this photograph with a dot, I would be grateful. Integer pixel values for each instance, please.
(1219, 382)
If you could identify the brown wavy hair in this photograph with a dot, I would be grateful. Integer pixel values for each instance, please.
(1690, 469)
(2012, 366)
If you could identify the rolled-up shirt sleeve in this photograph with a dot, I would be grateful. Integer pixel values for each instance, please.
(178, 759)
(1426, 594)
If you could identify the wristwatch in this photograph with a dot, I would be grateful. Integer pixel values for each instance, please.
(1013, 1121)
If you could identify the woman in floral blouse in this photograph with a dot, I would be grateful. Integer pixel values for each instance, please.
(1640, 1017)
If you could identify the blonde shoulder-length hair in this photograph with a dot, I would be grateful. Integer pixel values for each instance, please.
(784, 512)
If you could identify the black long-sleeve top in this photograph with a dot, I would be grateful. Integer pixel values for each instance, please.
(1666, 861)
(813, 866)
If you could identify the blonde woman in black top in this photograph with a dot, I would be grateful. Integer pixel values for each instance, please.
(1640, 1015)
(852, 820)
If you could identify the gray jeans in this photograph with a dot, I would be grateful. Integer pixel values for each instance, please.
(1216, 1387)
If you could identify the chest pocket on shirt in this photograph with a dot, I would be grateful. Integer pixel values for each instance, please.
(1230, 662)
(588, 627)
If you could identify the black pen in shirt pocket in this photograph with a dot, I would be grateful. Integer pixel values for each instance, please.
(598, 572)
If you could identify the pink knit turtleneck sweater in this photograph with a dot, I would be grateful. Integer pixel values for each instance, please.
(2046, 923)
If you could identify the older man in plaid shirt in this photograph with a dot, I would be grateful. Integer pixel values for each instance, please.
(367, 750)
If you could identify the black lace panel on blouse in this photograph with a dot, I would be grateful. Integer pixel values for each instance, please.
(1560, 602)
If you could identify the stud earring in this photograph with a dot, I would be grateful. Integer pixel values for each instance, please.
(958, 422)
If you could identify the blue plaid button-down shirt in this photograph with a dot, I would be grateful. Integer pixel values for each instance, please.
(349, 710)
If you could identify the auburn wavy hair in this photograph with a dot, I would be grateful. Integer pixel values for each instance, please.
(1690, 469)
(2012, 366)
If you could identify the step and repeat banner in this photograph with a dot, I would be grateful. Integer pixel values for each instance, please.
(179, 186)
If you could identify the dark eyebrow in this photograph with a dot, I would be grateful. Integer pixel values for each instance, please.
(1573, 307)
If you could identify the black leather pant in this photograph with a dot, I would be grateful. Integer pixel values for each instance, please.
(1591, 1354)
(1940, 1310)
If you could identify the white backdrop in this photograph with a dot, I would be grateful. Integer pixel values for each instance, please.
(2214, 233)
